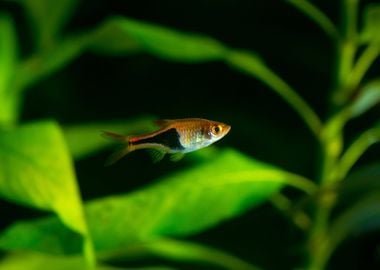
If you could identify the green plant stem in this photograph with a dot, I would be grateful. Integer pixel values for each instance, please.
(317, 16)
(356, 150)
(89, 253)
(250, 64)
(319, 239)
(363, 64)
(318, 236)
(347, 48)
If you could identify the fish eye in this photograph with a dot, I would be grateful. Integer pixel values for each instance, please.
(216, 129)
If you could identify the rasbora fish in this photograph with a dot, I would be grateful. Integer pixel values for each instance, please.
(175, 137)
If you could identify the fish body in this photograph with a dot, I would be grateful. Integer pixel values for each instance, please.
(176, 137)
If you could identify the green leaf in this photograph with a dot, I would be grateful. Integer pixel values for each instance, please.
(43, 64)
(371, 24)
(369, 97)
(317, 16)
(182, 204)
(8, 60)
(84, 139)
(46, 235)
(120, 35)
(186, 202)
(48, 18)
(186, 251)
(38, 261)
(362, 217)
(355, 151)
(36, 170)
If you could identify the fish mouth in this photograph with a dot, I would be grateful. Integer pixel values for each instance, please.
(227, 129)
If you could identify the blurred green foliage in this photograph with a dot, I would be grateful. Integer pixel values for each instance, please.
(36, 159)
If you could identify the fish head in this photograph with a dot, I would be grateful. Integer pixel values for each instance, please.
(217, 130)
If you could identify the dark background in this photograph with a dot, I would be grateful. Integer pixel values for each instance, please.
(94, 88)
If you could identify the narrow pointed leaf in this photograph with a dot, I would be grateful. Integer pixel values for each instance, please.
(369, 97)
(121, 34)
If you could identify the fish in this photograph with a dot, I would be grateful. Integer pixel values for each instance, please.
(174, 136)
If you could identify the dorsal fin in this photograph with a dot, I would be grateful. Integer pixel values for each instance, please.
(163, 122)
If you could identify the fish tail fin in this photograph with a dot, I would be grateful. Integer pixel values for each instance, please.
(123, 148)
(115, 137)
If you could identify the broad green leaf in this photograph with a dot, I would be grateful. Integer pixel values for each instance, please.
(48, 18)
(121, 34)
(369, 97)
(36, 170)
(84, 139)
(371, 24)
(47, 235)
(187, 202)
(182, 204)
(8, 60)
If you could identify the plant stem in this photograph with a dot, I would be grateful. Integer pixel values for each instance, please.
(347, 47)
(363, 64)
(356, 150)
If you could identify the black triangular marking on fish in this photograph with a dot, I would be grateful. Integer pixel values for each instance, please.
(169, 138)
